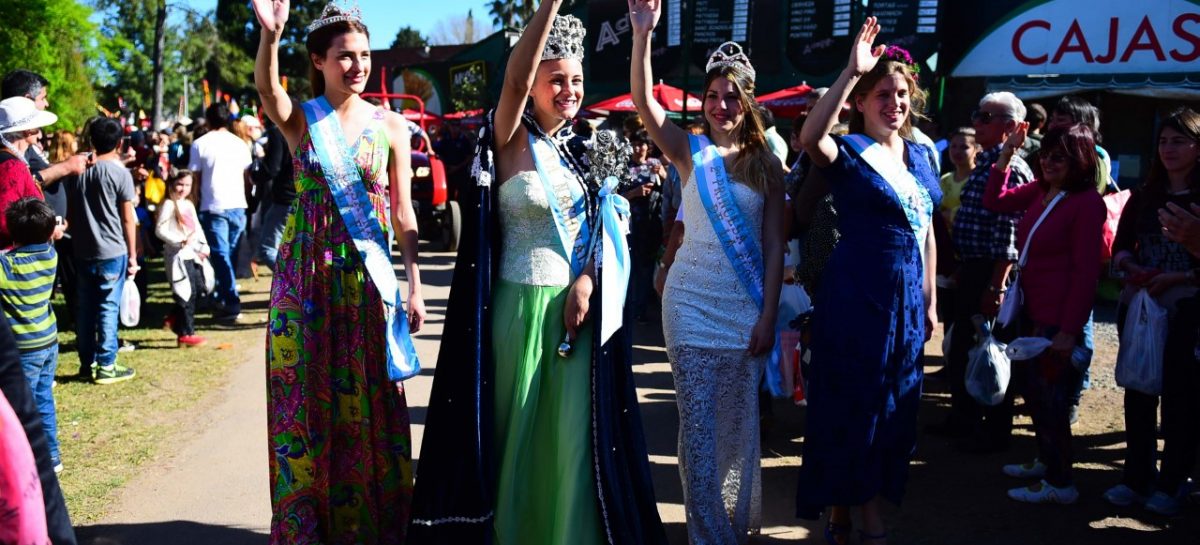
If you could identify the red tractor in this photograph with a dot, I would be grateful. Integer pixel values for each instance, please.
(438, 214)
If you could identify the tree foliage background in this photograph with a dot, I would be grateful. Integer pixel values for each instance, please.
(232, 68)
(55, 39)
(128, 43)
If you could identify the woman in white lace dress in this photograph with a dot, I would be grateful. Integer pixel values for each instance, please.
(722, 289)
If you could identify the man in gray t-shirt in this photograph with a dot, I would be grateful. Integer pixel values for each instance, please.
(94, 203)
(103, 225)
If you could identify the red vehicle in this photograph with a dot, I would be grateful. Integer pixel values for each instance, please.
(438, 214)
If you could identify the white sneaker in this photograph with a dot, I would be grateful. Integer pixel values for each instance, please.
(1032, 470)
(1042, 492)
(1123, 496)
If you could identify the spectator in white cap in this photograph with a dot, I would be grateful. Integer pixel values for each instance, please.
(20, 127)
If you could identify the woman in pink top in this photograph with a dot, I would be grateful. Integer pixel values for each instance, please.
(1058, 284)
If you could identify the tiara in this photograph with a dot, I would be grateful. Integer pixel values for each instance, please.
(730, 54)
(565, 40)
(336, 12)
(899, 54)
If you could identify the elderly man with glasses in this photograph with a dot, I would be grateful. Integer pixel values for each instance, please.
(986, 245)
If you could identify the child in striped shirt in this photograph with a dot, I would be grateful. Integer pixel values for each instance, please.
(26, 280)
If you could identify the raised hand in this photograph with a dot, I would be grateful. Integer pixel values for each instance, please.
(272, 14)
(644, 14)
(1016, 138)
(864, 55)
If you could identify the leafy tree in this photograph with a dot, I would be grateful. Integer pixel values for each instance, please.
(56, 39)
(233, 68)
(517, 13)
(409, 37)
(457, 29)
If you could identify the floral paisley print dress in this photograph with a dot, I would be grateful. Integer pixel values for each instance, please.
(341, 456)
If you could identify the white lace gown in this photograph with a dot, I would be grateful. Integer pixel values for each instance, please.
(707, 318)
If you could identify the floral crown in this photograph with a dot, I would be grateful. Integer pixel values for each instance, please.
(730, 54)
(899, 54)
(336, 12)
(565, 40)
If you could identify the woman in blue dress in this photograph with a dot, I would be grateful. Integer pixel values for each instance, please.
(875, 306)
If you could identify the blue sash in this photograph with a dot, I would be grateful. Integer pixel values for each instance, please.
(613, 257)
(357, 212)
(565, 207)
(737, 239)
(913, 196)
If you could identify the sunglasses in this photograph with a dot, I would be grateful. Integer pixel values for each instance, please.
(1052, 157)
(986, 117)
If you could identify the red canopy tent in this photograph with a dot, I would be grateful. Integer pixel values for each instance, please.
(787, 103)
(417, 116)
(671, 99)
(464, 114)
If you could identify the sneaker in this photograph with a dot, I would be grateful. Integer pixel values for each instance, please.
(113, 374)
(1032, 470)
(1042, 492)
(1163, 504)
(190, 341)
(1123, 496)
(127, 346)
(1074, 418)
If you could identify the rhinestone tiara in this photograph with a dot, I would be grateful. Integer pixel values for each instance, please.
(565, 40)
(336, 12)
(730, 54)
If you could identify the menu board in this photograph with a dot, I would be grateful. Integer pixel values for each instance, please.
(719, 21)
(911, 24)
(819, 33)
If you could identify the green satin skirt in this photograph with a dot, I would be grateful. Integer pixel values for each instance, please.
(546, 488)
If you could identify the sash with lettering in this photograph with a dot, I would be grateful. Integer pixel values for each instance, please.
(728, 221)
(357, 212)
(736, 236)
(913, 196)
(566, 207)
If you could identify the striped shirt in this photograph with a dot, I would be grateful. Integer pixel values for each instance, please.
(26, 282)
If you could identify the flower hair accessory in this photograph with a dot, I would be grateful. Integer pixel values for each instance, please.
(565, 40)
(336, 12)
(730, 54)
(899, 54)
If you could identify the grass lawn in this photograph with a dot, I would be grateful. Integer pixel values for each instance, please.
(108, 434)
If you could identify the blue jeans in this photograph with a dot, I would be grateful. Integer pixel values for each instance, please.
(224, 228)
(100, 284)
(40, 366)
(271, 233)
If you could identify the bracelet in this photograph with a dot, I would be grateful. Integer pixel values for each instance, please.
(996, 290)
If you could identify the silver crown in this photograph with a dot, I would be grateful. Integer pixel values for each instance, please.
(336, 12)
(730, 54)
(566, 39)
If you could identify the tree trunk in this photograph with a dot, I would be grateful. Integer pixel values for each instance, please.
(160, 37)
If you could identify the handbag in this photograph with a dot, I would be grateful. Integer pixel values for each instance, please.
(1011, 306)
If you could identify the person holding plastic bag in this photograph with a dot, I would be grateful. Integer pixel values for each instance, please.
(1163, 268)
(185, 253)
(876, 306)
(1060, 235)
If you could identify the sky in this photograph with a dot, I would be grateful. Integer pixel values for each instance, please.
(385, 17)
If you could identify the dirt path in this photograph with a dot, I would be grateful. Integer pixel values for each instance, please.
(213, 488)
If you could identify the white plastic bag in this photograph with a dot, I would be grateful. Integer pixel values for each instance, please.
(1010, 307)
(1140, 358)
(131, 304)
(1027, 348)
(988, 371)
